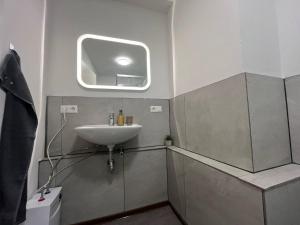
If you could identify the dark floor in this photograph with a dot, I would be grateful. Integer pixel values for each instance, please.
(160, 216)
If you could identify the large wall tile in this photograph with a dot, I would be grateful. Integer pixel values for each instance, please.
(217, 122)
(90, 111)
(53, 124)
(155, 125)
(145, 178)
(215, 198)
(293, 100)
(177, 121)
(90, 191)
(283, 204)
(268, 121)
(176, 188)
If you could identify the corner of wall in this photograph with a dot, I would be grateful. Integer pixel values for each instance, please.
(172, 49)
(40, 137)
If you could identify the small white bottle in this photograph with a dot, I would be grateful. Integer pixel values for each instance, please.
(111, 120)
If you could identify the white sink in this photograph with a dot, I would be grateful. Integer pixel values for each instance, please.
(108, 135)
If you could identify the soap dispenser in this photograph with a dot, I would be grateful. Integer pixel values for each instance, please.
(121, 118)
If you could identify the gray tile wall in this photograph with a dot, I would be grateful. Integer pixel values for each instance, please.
(145, 177)
(204, 195)
(176, 182)
(293, 100)
(90, 111)
(90, 191)
(53, 123)
(95, 111)
(283, 204)
(268, 120)
(241, 121)
(155, 125)
(215, 198)
(217, 122)
(178, 121)
(44, 172)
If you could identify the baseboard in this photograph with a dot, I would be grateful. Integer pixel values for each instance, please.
(124, 214)
(178, 215)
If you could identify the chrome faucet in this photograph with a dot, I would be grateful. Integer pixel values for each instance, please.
(111, 120)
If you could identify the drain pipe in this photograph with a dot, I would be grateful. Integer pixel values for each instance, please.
(110, 161)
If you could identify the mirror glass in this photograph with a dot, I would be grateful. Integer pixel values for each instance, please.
(112, 63)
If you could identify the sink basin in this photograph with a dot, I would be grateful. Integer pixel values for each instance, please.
(108, 135)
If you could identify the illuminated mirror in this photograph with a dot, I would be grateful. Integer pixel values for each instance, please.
(112, 63)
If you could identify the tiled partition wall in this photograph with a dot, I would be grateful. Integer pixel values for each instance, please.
(96, 111)
(89, 190)
(293, 100)
(241, 121)
(207, 192)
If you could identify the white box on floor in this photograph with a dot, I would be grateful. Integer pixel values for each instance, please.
(45, 212)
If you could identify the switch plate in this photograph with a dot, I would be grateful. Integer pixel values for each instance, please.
(156, 108)
(68, 109)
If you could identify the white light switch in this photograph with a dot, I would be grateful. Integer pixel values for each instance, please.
(155, 108)
(68, 109)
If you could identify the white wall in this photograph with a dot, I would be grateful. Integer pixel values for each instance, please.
(22, 24)
(68, 19)
(289, 36)
(3, 49)
(216, 39)
(259, 37)
(207, 42)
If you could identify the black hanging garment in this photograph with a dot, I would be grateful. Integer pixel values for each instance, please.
(16, 143)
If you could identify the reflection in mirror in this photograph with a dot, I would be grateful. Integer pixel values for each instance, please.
(111, 63)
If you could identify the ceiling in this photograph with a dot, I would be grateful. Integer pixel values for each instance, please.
(158, 5)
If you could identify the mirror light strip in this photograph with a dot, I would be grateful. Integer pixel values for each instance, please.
(117, 40)
(129, 76)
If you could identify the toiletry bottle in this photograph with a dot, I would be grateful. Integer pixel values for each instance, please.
(111, 120)
(121, 119)
(129, 120)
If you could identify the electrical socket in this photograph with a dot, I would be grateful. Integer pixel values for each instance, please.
(155, 109)
(68, 109)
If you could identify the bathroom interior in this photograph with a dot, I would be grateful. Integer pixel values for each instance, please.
(150, 112)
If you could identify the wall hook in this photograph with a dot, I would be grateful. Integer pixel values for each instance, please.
(11, 46)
